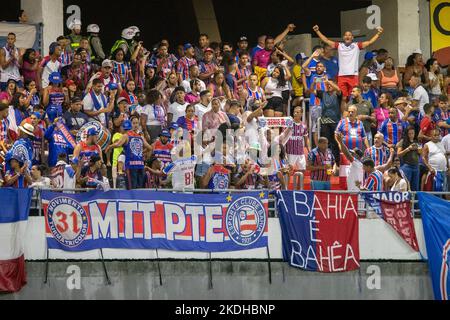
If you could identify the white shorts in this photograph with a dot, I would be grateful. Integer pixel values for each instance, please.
(298, 162)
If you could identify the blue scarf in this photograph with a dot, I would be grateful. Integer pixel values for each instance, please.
(97, 105)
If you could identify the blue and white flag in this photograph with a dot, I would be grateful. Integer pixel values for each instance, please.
(15, 205)
(436, 226)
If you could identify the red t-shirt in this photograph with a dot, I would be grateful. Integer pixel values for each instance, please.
(427, 125)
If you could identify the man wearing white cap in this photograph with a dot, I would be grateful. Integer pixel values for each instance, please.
(22, 149)
(75, 35)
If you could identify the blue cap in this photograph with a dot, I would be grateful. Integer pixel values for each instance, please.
(165, 133)
(92, 132)
(37, 114)
(369, 55)
(300, 55)
(187, 46)
(112, 86)
(126, 125)
(52, 113)
(174, 126)
(55, 77)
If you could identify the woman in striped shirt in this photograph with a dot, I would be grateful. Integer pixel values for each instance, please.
(120, 67)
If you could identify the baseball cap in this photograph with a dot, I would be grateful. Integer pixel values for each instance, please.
(55, 77)
(37, 115)
(174, 126)
(121, 99)
(417, 51)
(165, 133)
(107, 63)
(208, 50)
(91, 132)
(300, 55)
(75, 99)
(372, 76)
(113, 86)
(369, 55)
(52, 113)
(243, 38)
(187, 46)
(70, 83)
(126, 125)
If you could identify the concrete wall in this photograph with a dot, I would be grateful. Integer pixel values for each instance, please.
(377, 241)
(298, 43)
(408, 28)
(389, 21)
(206, 19)
(424, 28)
(189, 280)
(48, 12)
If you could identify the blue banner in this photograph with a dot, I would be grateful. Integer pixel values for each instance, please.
(436, 227)
(142, 219)
(320, 230)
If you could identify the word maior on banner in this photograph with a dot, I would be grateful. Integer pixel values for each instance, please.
(150, 220)
(320, 230)
(395, 209)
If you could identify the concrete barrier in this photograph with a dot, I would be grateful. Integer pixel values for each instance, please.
(233, 280)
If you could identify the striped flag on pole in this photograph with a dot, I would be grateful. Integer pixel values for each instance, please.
(13, 224)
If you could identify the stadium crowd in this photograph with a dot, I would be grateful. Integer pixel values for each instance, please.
(197, 115)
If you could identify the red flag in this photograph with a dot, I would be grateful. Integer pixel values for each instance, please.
(395, 209)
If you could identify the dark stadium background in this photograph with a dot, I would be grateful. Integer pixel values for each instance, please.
(176, 20)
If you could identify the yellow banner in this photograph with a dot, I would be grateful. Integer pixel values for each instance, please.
(440, 30)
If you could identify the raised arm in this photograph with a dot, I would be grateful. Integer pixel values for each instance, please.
(323, 37)
(343, 147)
(283, 35)
(365, 44)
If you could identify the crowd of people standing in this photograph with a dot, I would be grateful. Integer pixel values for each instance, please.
(199, 116)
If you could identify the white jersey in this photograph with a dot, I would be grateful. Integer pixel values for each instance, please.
(63, 176)
(177, 110)
(12, 70)
(348, 58)
(355, 173)
(183, 173)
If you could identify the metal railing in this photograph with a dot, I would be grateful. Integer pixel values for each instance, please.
(364, 210)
